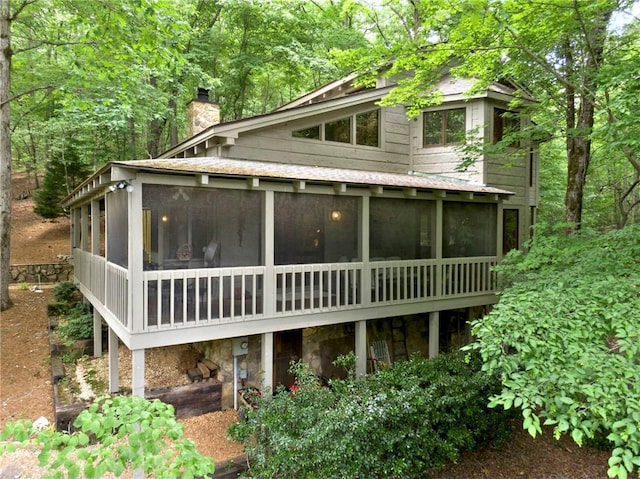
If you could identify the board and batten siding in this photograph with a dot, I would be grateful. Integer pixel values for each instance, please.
(278, 145)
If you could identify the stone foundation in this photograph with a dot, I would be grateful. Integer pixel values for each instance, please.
(41, 273)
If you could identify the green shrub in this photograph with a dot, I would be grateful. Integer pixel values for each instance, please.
(396, 423)
(77, 323)
(66, 292)
(565, 339)
(113, 434)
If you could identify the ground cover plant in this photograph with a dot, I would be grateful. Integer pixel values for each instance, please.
(396, 423)
(114, 434)
(565, 338)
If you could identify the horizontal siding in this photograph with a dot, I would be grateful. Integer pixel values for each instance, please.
(276, 144)
(511, 175)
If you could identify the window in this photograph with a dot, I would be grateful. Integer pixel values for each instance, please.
(339, 130)
(505, 123)
(312, 133)
(366, 132)
(444, 127)
(510, 237)
(367, 128)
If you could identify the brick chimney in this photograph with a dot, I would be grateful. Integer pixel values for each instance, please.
(201, 113)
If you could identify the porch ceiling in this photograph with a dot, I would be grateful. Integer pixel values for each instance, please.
(244, 168)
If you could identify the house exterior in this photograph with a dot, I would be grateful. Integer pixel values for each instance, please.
(329, 225)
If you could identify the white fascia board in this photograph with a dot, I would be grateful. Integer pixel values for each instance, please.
(317, 93)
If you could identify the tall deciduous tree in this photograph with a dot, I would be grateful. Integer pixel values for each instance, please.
(5, 154)
(556, 48)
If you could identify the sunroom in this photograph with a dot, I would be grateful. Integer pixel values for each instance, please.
(178, 251)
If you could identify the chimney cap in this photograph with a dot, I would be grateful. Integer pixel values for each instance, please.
(203, 95)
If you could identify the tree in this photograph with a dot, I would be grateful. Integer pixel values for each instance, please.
(565, 339)
(5, 154)
(555, 48)
(64, 172)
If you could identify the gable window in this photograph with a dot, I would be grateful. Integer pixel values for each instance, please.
(312, 133)
(359, 129)
(338, 130)
(505, 123)
(367, 132)
(444, 127)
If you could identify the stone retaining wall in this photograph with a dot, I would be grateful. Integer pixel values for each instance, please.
(41, 273)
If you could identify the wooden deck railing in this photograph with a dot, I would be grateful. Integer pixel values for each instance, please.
(192, 297)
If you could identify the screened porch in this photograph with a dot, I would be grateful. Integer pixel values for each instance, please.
(211, 255)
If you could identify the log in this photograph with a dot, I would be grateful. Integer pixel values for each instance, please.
(206, 372)
(194, 374)
(57, 369)
(213, 367)
(191, 400)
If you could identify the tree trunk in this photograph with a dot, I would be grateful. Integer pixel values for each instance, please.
(5, 155)
(578, 152)
(580, 124)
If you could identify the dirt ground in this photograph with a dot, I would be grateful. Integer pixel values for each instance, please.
(26, 392)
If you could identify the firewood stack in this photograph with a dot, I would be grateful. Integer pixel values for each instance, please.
(205, 370)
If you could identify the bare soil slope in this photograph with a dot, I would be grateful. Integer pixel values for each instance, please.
(34, 239)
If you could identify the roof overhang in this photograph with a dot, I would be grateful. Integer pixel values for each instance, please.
(255, 171)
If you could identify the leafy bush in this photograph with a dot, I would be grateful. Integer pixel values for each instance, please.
(113, 434)
(77, 323)
(566, 339)
(66, 292)
(395, 423)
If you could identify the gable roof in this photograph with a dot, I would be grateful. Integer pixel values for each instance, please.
(333, 96)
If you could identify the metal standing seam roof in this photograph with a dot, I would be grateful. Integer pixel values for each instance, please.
(246, 168)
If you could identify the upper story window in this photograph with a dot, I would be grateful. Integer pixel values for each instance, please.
(360, 129)
(312, 133)
(505, 123)
(338, 130)
(367, 130)
(444, 127)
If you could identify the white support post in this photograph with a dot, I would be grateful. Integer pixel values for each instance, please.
(434, 334)
(267, 362)
(135, 313)
(361, 348)
(114, 386)
(269, 247)
(137, 372)
(97, 334)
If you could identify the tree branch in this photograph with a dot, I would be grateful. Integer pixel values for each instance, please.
(19, 9)
(28, 92)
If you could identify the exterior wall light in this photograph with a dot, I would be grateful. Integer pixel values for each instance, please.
(336, 215)
(121, 185)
